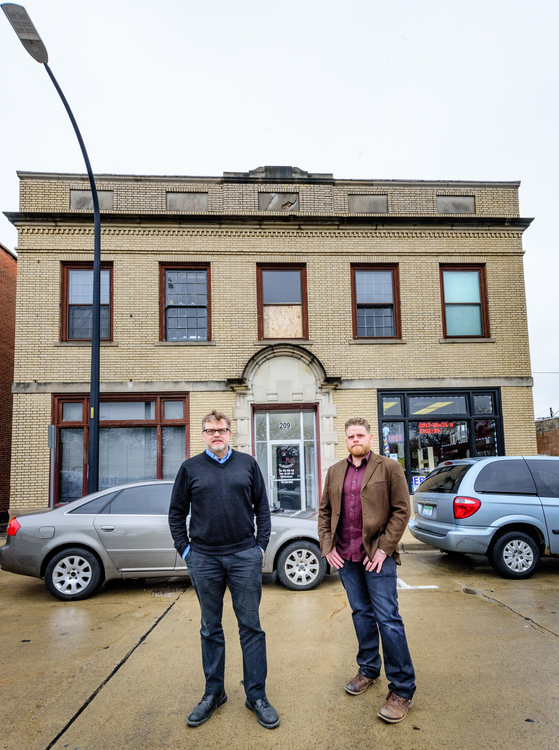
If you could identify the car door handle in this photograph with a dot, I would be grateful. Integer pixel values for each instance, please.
(107, 528)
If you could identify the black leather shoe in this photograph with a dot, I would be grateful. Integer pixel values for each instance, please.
(205, 709)
(266, 715)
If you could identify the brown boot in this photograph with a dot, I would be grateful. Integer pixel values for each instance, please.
(359, 684)
(396, 708)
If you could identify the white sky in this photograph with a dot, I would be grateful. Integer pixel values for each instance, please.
(378, 89)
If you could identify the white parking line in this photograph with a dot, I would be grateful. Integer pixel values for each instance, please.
(404, 585)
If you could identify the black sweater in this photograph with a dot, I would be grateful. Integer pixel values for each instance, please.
(222, 500)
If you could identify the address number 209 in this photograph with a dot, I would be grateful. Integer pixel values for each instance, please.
(284, 425)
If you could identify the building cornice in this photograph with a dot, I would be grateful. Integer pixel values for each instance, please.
(258, 220)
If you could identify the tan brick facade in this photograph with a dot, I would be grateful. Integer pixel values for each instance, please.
(139, 234)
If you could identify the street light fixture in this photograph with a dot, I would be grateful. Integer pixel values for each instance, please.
(27, 33)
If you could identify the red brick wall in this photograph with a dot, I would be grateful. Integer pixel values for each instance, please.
(547, 436)
(8, 270)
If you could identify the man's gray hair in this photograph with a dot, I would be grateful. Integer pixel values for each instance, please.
(215, 416)
(358, 422)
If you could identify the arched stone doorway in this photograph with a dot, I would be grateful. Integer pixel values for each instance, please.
(285, 418)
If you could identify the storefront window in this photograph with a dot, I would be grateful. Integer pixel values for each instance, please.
(393, 442)
(136, 441)
(392, 406)
(486, 437)
(437, 426)
(443, 404)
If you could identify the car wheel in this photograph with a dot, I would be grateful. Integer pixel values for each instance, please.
(73, 574)
(515, 555)
(301, 567)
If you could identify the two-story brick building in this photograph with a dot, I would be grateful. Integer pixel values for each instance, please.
(290, 300)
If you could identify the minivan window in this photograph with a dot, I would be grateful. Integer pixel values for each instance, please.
(506, 478)
(546, 474)
(147, 500)
(445, 479)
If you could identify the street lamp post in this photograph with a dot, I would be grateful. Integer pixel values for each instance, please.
(24, 28)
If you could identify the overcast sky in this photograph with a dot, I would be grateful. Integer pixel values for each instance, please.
(378, 89)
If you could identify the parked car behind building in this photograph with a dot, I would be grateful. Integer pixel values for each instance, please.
(504, 507)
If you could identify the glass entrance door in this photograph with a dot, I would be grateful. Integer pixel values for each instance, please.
(285, 448)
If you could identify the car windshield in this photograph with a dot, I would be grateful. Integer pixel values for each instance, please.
(445, 479)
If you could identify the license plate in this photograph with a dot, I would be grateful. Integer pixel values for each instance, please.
(428, 510)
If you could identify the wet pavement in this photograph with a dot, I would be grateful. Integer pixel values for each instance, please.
(123, 669)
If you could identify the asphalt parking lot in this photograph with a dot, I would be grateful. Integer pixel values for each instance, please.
(123, 669)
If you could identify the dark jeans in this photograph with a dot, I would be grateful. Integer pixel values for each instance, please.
(242, 572)
(373, 599)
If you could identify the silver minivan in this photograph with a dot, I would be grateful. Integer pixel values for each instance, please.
(506, 508)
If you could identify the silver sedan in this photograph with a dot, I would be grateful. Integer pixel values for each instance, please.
(123, 532)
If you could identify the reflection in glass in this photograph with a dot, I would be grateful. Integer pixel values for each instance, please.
(71, 464)
(486, 437)
(483, 404)
(260, 426)
(173, 450)
(440, 404)
(173, 409)
(392, 406)
(287, 465)
(126, 411)
(434, 442)
(308, 425)
(72, 412)
(393, 442)
(285, 425)
(311, 500)
(281, 287)
(262, 458)
(127, 454)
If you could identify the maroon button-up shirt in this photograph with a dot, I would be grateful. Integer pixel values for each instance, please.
(349, 532)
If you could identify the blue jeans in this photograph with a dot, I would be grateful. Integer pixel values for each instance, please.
(242, 572)
(373, 598)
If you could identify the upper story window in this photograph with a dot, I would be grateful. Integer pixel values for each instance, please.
(367, 204)
(456, 204)
(376, 308)
(278, 201)
(282, 302)
(187, 202)
(464, 301)
(185, 302)
(77, 302)
(82, 200)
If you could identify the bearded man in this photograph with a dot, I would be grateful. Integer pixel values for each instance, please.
(363, 513)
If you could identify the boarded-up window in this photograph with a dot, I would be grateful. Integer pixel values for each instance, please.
(456, 204)
(282, 302)
(278, 201)
(82, 200)
(187, 202)
(367, 204)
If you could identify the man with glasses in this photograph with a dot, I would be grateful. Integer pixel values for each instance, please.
(363, 513)
(223, 491)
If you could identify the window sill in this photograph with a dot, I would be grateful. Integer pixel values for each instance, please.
(273, 342)
(467, 340)
(378, 341)
(184, 343)
(84, 343)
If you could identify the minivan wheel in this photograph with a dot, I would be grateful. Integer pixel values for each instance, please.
(301, 567)
(515, 555)
(73, 574)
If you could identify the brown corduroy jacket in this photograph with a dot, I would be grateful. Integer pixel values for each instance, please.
(385, 502)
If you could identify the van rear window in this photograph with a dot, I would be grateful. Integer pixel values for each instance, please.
(445, 479)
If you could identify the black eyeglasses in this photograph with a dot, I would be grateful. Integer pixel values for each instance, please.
(219, 431)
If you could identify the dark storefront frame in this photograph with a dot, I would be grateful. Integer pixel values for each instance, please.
(469, 417)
